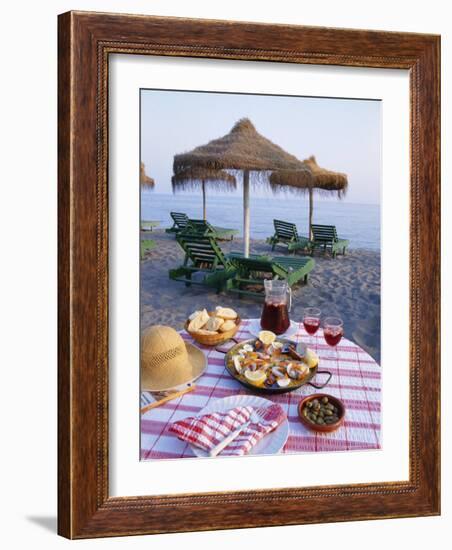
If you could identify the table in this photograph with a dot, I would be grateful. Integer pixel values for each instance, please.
(356, 381)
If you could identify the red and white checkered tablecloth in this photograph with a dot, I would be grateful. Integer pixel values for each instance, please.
(356, 381)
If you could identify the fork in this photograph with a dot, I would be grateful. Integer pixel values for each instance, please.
(255, 417)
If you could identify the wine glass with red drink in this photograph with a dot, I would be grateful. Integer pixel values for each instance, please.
(333, 330)
(311, 322)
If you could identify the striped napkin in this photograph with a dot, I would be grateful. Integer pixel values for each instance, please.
(208, 430)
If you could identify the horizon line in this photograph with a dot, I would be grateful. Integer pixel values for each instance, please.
(322, 199)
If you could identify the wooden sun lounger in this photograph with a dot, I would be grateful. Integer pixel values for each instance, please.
(203, 227)
(180, 221)
(204, 263)
(251, 272)
(286, 233)
(325, 236)
(148, 225)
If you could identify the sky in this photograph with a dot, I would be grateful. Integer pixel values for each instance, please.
(343, 134)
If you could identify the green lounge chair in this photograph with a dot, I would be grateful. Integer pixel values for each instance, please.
(251, 272)
(203, 227)
(204, 260)
(180, 220)
(286, 233)
(148, 225)
(325, 236)
(236, 254)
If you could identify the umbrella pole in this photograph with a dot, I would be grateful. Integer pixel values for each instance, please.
(204, 212)
(311, 208)
(246, 213)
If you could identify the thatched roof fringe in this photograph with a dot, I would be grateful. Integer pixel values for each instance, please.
(145, 180)
(303, 191)
(203, 175)
(192, 178)
(327, 180)
(311, 177)
(150, 183)
(194, 184)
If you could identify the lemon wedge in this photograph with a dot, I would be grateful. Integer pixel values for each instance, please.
(283, 382)
(255, 377)
(237, 365)
(267, 337)
(311, 358)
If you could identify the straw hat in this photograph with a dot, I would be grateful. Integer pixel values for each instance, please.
(167, 361)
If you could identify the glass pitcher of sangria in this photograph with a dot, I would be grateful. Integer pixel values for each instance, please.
(278, 301)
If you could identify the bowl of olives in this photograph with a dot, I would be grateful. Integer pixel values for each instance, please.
(321, 412)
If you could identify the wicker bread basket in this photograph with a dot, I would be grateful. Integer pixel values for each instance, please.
(213, 339)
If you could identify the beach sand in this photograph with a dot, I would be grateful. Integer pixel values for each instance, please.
(348, 286)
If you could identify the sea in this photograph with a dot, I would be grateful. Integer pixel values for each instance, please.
(359, 223)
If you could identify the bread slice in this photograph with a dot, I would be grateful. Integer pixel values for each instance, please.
(227, 325)
(199, 321)
(214, 323)
(226, 313)
(193, 315)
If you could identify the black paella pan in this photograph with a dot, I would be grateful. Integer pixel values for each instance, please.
(234, 350)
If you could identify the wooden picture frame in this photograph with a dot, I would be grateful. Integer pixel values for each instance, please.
(86, 40)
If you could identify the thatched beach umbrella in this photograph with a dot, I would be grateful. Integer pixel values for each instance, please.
(191, 178)
(244, 150)
(145, 180)
(323, 181)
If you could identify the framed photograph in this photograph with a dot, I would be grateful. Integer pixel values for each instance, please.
(249, 260)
